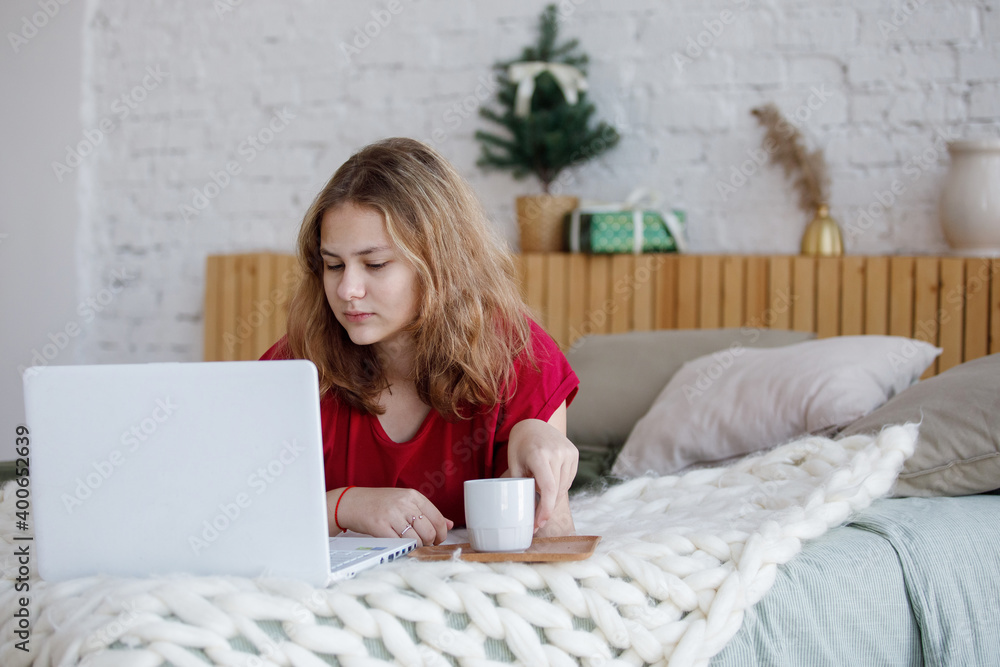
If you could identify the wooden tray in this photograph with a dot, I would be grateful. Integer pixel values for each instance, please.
(542, 549)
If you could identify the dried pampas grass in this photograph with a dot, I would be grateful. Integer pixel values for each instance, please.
(784, 143)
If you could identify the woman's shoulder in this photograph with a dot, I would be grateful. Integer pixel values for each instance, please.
(537, 330)
(279, 350)
(542, 344)
(542, 351)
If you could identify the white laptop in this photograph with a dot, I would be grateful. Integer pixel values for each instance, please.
(209, 468)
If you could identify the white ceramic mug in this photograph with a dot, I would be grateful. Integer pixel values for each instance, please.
(500, 513)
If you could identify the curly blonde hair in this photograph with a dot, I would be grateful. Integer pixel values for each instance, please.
(471, 323)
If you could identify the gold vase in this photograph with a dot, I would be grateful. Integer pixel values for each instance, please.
(540, 221)
(822, 237)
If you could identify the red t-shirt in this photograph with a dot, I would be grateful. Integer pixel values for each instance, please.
(442, 454)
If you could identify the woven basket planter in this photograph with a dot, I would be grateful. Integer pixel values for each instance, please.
(540, 221)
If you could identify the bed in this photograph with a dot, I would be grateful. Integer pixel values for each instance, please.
(857, 531)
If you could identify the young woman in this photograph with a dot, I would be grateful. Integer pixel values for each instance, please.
(431, 371)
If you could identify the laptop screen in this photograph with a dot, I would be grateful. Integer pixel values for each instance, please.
(202, 468)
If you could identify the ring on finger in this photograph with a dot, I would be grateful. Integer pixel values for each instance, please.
(403, 532)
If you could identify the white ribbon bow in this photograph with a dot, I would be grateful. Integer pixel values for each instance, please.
(570, 80)
(638, 201)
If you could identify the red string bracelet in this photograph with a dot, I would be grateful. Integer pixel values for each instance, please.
(336, 508)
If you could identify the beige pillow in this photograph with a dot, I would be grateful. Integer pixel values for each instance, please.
(621, 374)
(741, 400)
(958, 452)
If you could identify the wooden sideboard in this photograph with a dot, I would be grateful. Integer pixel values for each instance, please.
(952, 302)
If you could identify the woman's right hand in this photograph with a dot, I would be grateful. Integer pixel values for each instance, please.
(386, 512)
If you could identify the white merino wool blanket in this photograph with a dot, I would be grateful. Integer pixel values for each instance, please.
(682, 557)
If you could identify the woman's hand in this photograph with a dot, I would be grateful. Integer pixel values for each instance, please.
(541, 450)
(386, 512)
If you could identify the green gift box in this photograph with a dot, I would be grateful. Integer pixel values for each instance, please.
(613, 229)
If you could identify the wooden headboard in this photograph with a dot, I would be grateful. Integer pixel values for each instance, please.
(952, 302)
(246, 303)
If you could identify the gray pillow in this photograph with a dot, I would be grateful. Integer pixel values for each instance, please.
(958, 452)
(622, 374)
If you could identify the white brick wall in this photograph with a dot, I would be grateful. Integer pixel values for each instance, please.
(883, 79)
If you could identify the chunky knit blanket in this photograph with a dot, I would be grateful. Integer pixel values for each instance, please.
(682, 557)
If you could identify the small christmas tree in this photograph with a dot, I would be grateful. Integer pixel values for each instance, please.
(544, 110)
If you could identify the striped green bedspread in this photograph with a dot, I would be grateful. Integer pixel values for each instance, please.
(910, 581)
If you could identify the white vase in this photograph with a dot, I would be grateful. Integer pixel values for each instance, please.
(970, 200)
